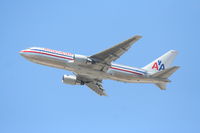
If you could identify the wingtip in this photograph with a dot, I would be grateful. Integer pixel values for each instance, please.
(104, 94)
(138, 36)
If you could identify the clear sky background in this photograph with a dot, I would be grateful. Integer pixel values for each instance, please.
(33, 98)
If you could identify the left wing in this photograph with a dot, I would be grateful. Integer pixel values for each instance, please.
(94, 84)
(113, 53)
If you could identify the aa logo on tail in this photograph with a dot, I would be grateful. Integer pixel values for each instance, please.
(158, 65)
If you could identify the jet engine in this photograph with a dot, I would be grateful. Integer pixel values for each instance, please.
(81, 59)
(71, 79)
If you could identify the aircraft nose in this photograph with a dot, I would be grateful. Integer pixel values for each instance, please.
(22, 52)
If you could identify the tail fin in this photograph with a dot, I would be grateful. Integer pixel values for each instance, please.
(162, 62)
(164, 75)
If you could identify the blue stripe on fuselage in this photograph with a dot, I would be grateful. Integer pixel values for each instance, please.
(52, 52)
(127, 68)
(114, 65)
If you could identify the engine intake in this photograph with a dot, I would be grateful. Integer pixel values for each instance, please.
(71, 79)
(81, 59)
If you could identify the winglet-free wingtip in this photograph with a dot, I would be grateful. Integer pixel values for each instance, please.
(104, 94)
(138, 36)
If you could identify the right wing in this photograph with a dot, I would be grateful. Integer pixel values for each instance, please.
(96, 87)
(94, 84)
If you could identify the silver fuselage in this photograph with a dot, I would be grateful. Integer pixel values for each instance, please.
(66, 61)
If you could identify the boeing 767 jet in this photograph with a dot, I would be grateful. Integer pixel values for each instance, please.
(91, 70)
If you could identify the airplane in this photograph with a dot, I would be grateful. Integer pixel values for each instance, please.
(91, 70)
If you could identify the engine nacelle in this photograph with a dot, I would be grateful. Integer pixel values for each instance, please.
(81, 59)
(71, 79)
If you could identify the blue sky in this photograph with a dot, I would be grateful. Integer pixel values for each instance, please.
(33, 98)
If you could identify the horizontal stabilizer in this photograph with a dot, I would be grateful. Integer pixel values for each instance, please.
(162, 86)
(166, 73)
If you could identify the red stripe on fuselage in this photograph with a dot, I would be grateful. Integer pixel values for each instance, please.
(125, 70)
(26, 51)
(47, 54)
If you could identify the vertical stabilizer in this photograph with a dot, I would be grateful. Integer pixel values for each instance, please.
(162, 62)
